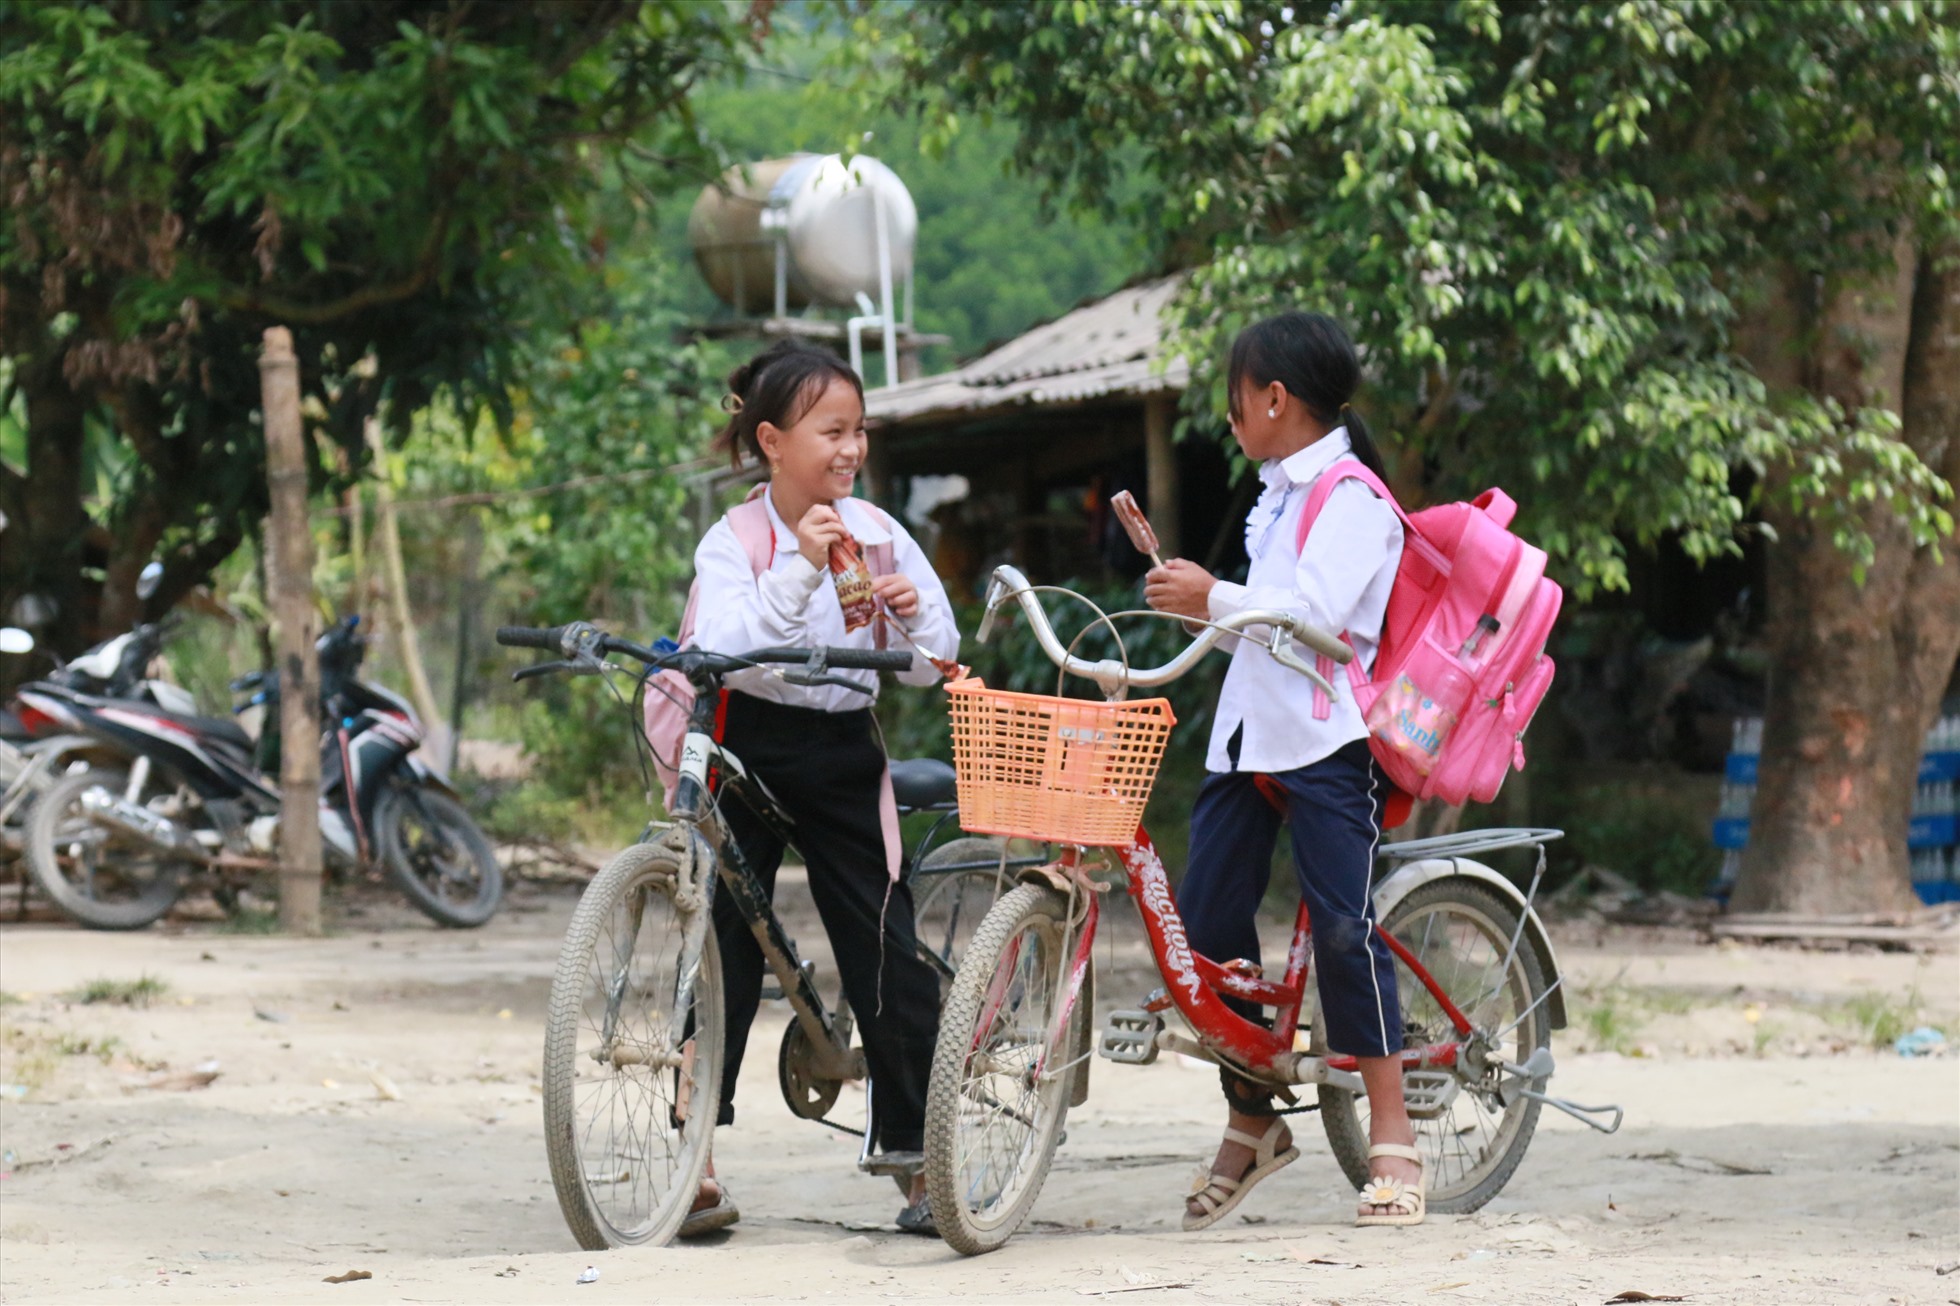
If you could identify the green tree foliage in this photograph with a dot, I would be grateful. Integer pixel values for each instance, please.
(396, 179)
(1555, 213)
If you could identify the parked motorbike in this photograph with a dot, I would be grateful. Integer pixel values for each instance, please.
(114, 848)
(33, 751)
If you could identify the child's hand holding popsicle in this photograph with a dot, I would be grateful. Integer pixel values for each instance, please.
(1177, 586)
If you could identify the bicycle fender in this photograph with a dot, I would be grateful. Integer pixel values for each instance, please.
(1413, 875)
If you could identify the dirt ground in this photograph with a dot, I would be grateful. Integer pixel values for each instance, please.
(376, 1107)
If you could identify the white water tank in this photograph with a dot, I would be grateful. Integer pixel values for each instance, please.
(824, 209)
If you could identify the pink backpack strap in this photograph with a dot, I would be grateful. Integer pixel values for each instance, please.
(749, 520)
(1347, 469)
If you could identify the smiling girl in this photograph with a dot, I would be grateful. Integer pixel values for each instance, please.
(799, 411)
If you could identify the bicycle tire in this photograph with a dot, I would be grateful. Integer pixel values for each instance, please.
(1008, 1180)
(589, 1199)
(949, 905)
(423, 870)
(1442, 1139)
(55, 841)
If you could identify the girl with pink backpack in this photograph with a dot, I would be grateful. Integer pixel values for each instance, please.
(804, 564)
(1281, 751)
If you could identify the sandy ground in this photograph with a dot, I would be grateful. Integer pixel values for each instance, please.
(376, 1108)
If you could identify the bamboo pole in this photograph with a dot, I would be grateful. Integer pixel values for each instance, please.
(388, 543)
(291, 595)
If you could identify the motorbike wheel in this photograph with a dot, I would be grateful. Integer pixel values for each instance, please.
(438, 856)
(102, 877)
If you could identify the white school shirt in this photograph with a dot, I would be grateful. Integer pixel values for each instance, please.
(794, 605)
(1339, 582)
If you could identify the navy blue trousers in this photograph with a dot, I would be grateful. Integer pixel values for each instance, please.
(1334, 809)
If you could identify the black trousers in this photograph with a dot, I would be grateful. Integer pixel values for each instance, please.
(1334, 806)
(824, 770)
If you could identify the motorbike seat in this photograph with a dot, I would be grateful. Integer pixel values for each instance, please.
(215, 727)
(922, 782)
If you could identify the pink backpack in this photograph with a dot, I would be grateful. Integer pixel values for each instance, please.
(1461, 667)
(666, 713)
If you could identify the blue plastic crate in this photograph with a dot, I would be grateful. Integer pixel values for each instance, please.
(1744, 768)
(1931, 831)
(1935, 892)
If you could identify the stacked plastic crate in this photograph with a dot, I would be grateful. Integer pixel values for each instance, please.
(1930, 838)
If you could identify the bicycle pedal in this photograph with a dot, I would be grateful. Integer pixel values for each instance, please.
(1428, 1093)
(899, 1165)
(1131, 1037)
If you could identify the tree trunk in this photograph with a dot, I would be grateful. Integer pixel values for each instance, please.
(299, 662)
(1856, 669)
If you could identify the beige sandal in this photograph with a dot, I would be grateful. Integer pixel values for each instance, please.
(1220, 1193)
(1407, 1203)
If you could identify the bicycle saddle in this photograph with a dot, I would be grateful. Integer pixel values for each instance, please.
(922, 782)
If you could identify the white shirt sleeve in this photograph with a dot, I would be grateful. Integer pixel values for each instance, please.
(736, 610)
(1355, 536)
(932, 627)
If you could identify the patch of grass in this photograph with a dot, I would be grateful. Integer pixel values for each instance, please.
(10, 999)
(139, 992)
(1611, 1017)
(251, 920)
(103, 1047)
(1879, 1017)
(25, 1058)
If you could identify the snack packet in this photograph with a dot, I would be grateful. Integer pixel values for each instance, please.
(853, 576)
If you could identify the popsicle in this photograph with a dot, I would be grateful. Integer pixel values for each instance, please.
(1135, 524)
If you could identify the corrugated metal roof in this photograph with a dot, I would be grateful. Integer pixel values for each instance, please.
(1106, 347)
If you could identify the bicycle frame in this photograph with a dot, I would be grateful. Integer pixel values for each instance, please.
(1194, 982)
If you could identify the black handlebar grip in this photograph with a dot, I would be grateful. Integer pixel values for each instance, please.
(867, 659)
(530, 637)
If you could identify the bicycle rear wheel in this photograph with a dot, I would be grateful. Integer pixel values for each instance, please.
(1471, 1137)
(952, 891)
(632, 1084)
(994, 1106)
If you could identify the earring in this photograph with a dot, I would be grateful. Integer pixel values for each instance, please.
(1272, 412)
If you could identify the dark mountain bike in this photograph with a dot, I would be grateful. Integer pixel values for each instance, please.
(634, 1035)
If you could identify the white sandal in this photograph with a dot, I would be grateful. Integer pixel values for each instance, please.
(1220, 1194)
(1408, 1203)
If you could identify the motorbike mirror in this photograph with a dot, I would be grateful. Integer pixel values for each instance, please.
(15, 640)
(148, 579)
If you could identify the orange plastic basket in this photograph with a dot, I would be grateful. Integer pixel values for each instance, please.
(1063, 770)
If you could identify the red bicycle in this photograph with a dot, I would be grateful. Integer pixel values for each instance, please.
(1479, 982)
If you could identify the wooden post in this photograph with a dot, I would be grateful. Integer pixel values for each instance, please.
(1160, 470)
(291, 584)
(388, 541)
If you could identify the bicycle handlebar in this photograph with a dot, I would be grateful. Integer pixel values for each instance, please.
(1282, 627)
(582, 645)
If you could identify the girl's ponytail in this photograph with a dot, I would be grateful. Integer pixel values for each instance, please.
(1314, 359)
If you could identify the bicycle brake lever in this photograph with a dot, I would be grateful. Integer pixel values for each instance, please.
(545, 669)
(1280, 645)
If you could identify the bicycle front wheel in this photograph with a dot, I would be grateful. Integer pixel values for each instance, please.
(632, 1069)
(1471, 1133)
(997, 1099)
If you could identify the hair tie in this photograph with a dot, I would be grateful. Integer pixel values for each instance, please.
(1346, 409)
(731, 403)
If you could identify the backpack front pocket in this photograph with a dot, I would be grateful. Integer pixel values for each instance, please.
(1415, 714)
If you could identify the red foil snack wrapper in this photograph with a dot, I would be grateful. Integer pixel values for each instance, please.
(853, 576)
(1124, 505)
